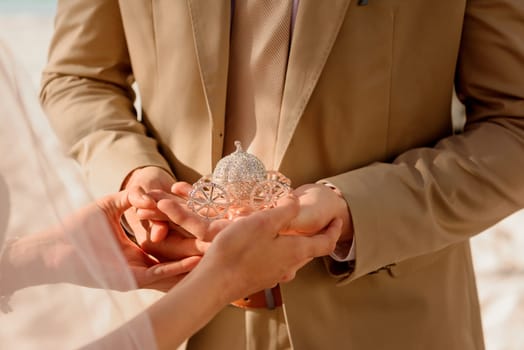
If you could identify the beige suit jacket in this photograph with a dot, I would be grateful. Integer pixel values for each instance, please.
(366, 106)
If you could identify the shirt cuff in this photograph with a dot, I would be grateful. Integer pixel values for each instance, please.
(338, 253)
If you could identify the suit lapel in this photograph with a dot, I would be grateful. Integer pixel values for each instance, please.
(316, 28)
(211, 25)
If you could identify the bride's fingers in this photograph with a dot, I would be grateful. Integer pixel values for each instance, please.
(176, 229)
(163, 276)
(185, 218)
(288, 276)
(158, 231)
(215, 227)
(114, 204)
(151, 214)
(324, 242)
(139, 199)
(174, 247)
(181, 188)
(158, 195)
(173, 268)
(279, 217)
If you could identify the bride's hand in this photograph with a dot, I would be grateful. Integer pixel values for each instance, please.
(59, 254)
(249, 254)
(147, 271)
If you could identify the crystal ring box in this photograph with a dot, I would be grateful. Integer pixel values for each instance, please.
(239, 185)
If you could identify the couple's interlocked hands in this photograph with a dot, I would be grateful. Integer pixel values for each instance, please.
(304, 225)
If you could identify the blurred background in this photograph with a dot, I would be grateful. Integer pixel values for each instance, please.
(26, 27)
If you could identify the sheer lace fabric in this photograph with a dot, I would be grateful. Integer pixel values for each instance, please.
(40, 188)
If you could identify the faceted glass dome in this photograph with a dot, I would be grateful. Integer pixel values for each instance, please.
(239, 166)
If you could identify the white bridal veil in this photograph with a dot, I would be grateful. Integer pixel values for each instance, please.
(39, 189)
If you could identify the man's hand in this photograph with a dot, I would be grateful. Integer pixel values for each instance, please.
(147, 178)
(154, 231)
(320, 205)
(178, 242)
(53, 255)
(147, 271)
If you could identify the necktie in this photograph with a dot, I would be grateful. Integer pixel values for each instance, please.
(257, 67)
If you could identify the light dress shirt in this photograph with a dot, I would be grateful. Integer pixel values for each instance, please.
(351, 254)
